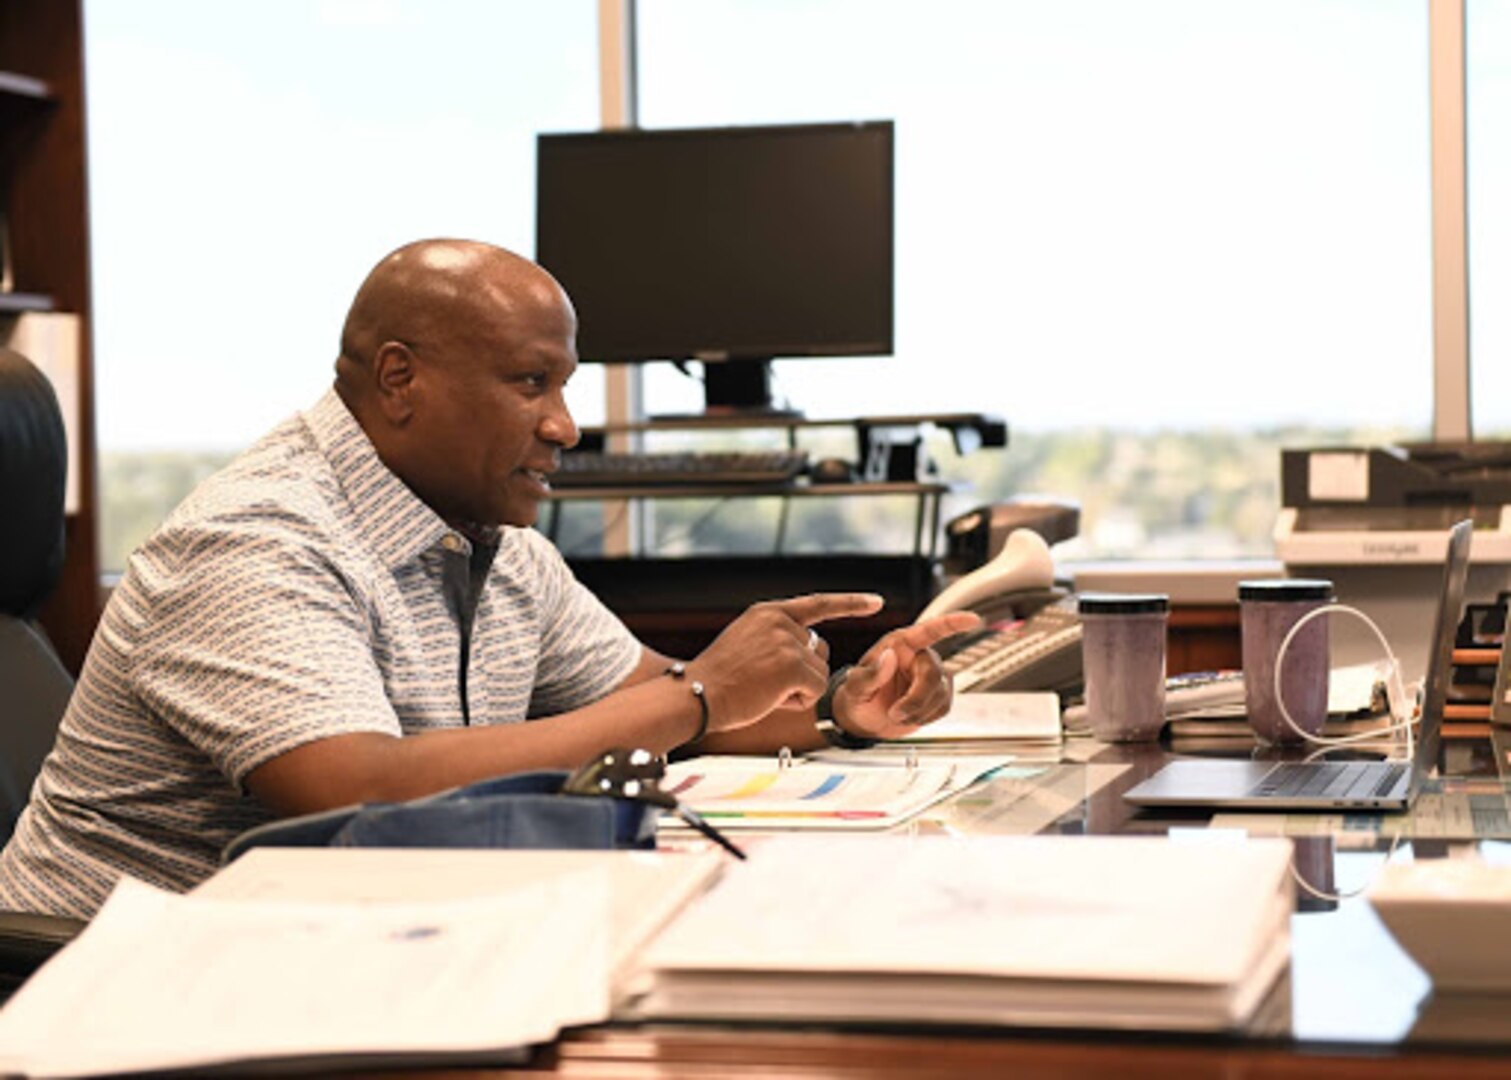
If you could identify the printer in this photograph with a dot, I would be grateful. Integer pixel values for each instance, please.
(1374, 520)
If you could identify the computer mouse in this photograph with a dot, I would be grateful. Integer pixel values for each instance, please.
(831, 470)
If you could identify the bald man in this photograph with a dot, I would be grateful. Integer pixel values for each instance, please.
(356, 610)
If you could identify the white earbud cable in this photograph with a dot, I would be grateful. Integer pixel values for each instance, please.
(1401, 710)
(1401, 717)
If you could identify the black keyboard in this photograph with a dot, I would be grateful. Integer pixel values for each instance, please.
(1330, 779)
(589, 468)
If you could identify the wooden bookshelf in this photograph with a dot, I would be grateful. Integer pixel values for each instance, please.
(45, 207)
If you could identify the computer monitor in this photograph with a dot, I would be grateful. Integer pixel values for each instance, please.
(728, 245)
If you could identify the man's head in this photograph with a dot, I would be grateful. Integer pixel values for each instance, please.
(453, 359)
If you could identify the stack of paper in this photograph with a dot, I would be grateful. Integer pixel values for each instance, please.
(1099, 931)
(1355, 690)
(1206, 711)
(1237, 730)
(1210, 705)
(341, 957)
(646, 888)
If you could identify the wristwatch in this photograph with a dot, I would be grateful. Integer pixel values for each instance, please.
(828, 726)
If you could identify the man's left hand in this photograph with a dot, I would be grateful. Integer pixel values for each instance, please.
(900, 683)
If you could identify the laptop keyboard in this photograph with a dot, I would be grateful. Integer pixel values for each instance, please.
(1298, 779)
(1329, 779)
(1389, 780)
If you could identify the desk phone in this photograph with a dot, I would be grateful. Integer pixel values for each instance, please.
(1032, 640)
(1039, 652)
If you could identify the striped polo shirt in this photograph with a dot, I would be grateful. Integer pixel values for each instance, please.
(301, 593)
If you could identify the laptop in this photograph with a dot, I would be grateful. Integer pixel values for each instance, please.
(1500, 698)
(1328, 785)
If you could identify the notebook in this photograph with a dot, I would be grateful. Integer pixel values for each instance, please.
(1324, 785)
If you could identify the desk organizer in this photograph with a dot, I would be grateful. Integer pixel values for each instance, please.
(1453, 917)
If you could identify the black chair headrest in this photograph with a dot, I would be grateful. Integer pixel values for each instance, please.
(33, 474)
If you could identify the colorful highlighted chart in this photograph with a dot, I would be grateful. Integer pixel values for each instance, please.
(765, 793)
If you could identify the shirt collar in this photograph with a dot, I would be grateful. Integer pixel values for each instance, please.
(395, 523)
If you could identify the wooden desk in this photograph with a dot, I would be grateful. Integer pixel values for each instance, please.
(1351, 1006)
(670, 1053)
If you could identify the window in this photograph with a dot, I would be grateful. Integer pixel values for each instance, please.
(1487, 64)
(250, 161)
(1162, 238)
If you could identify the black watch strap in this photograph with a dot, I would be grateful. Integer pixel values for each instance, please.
(828, 726)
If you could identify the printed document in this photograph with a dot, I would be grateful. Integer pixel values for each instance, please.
(817, 793)
(646, 888)
(161, 981)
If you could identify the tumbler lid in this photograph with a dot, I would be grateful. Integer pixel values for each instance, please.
(1279, 590)
(1123, 603)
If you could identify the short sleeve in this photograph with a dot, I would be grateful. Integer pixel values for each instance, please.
(259, 645)
(586, 651)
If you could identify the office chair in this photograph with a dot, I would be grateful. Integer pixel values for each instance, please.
(33, 470)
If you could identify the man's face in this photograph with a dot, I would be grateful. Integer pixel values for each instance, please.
(490, 417)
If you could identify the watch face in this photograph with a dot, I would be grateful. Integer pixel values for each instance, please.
(826, 723)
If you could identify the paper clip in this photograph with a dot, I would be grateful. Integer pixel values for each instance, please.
(784, 758)
(911, 761)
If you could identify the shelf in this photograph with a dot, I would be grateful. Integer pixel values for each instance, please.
(14, 303)
(970, 431)
(896, 456)
(925, 522)
(713, 491)
(776, 420)
(13, 85)
(23, 100)
(45, 201)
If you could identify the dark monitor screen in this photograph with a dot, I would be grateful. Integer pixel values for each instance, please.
(723, 243)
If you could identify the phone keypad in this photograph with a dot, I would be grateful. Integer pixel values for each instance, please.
(1015, 647)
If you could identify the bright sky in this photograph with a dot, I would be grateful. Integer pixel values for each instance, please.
(1164, 212)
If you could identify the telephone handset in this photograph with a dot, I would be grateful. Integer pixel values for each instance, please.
(1023, 563)
(1032, 637)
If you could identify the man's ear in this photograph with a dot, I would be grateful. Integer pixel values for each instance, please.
(393, 374)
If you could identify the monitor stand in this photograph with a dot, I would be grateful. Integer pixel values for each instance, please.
(738, 387)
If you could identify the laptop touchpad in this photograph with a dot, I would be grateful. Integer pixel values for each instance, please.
(1207, 778)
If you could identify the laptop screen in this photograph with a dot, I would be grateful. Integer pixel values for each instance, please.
(1440, 662)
